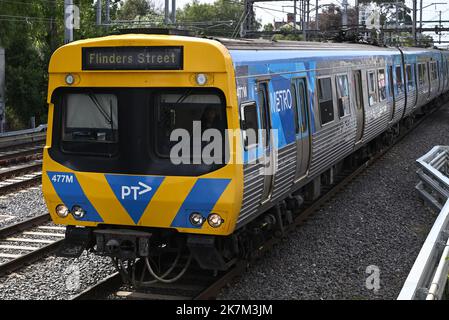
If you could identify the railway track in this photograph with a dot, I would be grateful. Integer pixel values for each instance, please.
(20, 176)
(20, 160)
(28, 241)
(20, 154)
(195, 287)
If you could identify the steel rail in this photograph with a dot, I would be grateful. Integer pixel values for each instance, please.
(29, 257)
(19, 177)
(20, 154)
(33, 166)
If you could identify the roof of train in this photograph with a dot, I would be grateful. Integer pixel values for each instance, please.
(263, 44)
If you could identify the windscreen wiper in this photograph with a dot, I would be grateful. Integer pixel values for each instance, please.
(99, 107)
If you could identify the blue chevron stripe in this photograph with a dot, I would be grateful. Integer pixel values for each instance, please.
(70, 192)
(202, 198)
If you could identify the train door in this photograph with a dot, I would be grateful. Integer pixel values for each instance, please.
(302, 125)
(358, 84)
(267, 139)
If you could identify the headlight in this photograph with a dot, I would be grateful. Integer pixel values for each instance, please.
(62, 211)
(196, 219)
(201, 79)
(78, 212)
(214, 220)
(69, 79)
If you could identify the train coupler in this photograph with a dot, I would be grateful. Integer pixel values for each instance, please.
(122, 243)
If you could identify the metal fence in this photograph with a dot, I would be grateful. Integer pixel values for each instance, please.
(428, 279)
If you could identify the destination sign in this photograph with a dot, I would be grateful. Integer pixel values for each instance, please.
(133, 58)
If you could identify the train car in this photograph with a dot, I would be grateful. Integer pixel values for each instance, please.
(201, 148)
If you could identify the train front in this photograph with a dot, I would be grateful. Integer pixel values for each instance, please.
(140, 155)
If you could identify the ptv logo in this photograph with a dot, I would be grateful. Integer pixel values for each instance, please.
(135, 191)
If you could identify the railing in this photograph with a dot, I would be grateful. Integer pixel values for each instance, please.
(428, 278)
(13, 138)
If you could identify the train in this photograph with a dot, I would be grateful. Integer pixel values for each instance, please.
(194, 151)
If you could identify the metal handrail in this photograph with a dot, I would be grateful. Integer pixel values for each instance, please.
(429, 274)
(40, 128)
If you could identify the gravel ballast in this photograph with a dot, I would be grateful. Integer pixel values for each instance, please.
(52, 277)
(376, 226)
(55, 278)
(21, 205)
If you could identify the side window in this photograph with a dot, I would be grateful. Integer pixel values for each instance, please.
(421, 80)
(426, 73)
(264, 102)
(372, 94)
(295, 107)
(325, 100)
(390, 81)
(342, 95)
(382, 85)
(433, 71)
(304, 100)
(447, 68)
(250, 124)
(409, 73)
(399, 82)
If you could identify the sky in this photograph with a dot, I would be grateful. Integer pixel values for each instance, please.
(267, 12)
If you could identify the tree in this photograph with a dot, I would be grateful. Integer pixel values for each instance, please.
(331, 18)
(135, 9)
(30, 31)
(268, 27)
(24, 42)
(220, 18)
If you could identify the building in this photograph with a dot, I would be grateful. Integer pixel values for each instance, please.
(365, 12)
(2, 90)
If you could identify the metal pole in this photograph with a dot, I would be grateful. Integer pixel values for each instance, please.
(294, 15)
(414, 23)
(108, 18)
(344, 16)
(307, 18)
(439, 31)
(98, 12)
(357, 16)
(420, 19)
(68, 21)
(167, 12)
(173, 11)
(317, 17)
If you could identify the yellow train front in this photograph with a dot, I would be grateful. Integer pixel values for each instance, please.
(122, 111)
